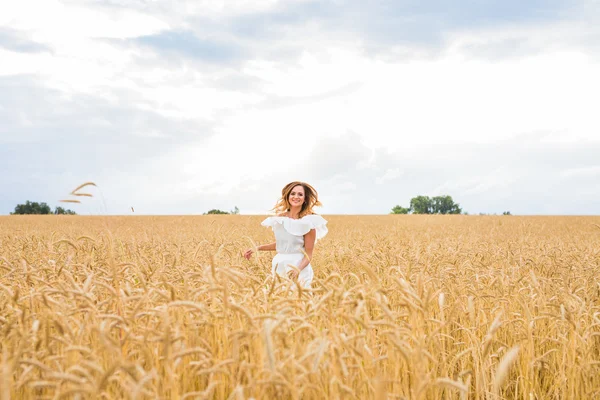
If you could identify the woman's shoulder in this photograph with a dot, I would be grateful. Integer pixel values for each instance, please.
(316, 222)
(312, 214)
(274, 220)
(280, 217)
(314, 219)
(298, 227)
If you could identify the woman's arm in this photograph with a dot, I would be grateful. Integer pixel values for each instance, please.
(309, 247)
(267, 247)
(263, 247)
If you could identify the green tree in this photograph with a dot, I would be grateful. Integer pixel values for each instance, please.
(506, 213)
(400, 210)
(421, 205)
(215, 211)
(32, 208)
(235, 211)
(444, 205)
(62, 211)
(427, 205)
(39, 208)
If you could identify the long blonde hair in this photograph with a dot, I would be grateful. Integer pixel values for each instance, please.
(311, 199)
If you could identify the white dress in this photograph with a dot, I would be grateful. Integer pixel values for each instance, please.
(289, 238)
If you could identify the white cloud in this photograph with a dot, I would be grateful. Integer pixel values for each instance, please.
(390, 175)
(592, 171)
(311, 104)
(495, 181)
(59, 22)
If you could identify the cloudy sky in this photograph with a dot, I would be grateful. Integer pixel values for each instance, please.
(178, 107)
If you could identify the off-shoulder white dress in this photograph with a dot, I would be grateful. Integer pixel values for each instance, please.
(289, 238)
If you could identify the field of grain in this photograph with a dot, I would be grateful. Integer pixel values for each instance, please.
(402, 307)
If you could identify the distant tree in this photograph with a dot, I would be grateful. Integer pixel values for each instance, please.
(39, 208)
(32, 208)
(235, 211)
(506, 213)
(421, 205)
(427, 205)
(215, 211)
(400, 210)
(444, 205)
(62, 211)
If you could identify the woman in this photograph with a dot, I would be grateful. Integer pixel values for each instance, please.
(297, 228)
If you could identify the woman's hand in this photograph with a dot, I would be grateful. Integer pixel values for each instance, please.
(293, 273)
(248, 254)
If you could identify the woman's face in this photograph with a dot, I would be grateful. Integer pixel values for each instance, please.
(297, 196)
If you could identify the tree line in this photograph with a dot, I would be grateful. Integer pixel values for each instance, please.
(39, 208)
(429, 205)
(33, 207)
(418, 205)
(235, 211)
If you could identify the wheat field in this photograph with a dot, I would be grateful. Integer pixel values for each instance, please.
(402, 307)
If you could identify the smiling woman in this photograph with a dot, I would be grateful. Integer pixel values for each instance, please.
(297, 229)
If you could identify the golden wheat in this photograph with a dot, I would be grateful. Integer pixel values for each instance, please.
(402, 307)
